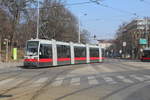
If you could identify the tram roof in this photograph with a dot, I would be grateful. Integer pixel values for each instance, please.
(63, 43)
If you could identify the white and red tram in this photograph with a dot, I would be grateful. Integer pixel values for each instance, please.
(42, 53)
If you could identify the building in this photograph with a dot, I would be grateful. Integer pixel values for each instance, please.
(136, 34)
(105, 45)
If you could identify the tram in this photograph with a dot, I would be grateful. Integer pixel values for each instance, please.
(43, 53)
(146, 55)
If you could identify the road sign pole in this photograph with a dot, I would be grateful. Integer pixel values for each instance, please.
(124, 49)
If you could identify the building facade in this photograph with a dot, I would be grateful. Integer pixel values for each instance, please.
(136, 35)
(105, 45)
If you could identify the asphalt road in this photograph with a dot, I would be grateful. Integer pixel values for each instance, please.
(113, 79)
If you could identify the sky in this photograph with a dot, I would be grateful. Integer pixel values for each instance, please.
(104, 21)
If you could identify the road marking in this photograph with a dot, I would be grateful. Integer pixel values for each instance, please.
(57, 83)
(109, 80)
(91, 77)
(41, 80)
(75, 81)
(5, 81)
(147, 76)
(105, 69)
(137, 78)
(92, 80)
(124, 79)
(60, 78)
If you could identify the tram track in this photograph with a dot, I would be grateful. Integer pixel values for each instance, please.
(3, 92)
(44, 87)
(122, 89)
(41, 89)
(14, 75)
(95, 86)
(36, 93)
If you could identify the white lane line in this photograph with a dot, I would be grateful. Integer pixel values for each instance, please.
(60, 78)
(14, 83)
(41, 80)
(91, 77)
(137, 78)
(57, 83)
(75, 81)
(124, 79)
(147, 76)
(92, 80)
(105, 69)
(109, 80)
(6, 81)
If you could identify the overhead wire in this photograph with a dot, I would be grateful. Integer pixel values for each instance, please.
(145, 1)
(96, 2)
(120, 10)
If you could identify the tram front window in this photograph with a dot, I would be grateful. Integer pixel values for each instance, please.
(32, 48)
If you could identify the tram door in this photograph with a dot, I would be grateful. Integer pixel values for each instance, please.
(94, 55)
(63, 55)
(80, 55)
(45, 55)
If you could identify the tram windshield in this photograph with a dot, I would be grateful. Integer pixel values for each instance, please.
(146, 53)
(32, 48)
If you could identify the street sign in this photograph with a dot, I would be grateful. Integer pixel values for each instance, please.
(142, 41)
(124, 44)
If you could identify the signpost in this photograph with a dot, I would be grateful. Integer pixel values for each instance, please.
(124, 48)
(124, 44)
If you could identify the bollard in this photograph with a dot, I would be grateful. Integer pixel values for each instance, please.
(14, 53)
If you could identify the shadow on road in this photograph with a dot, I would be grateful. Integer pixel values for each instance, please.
(5, 96)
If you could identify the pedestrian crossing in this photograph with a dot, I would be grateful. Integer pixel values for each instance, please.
(92, 80)
(77, 80)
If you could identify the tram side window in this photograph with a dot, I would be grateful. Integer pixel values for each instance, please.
(63, 51)
(94, 52)
(45, 51)
(80, 51)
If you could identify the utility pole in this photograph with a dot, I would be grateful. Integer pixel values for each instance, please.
(146, 31)
(38, 17)
(79, 30)
(6, 42)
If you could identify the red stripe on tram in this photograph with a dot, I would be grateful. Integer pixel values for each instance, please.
(45, 60)
(102, 58)
(63, 59)
(80, 58)
(97, 58)
(36, 60)
(146, 58)
(30, 60)
(94, 58)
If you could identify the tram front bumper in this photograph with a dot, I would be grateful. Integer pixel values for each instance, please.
(31, 64)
